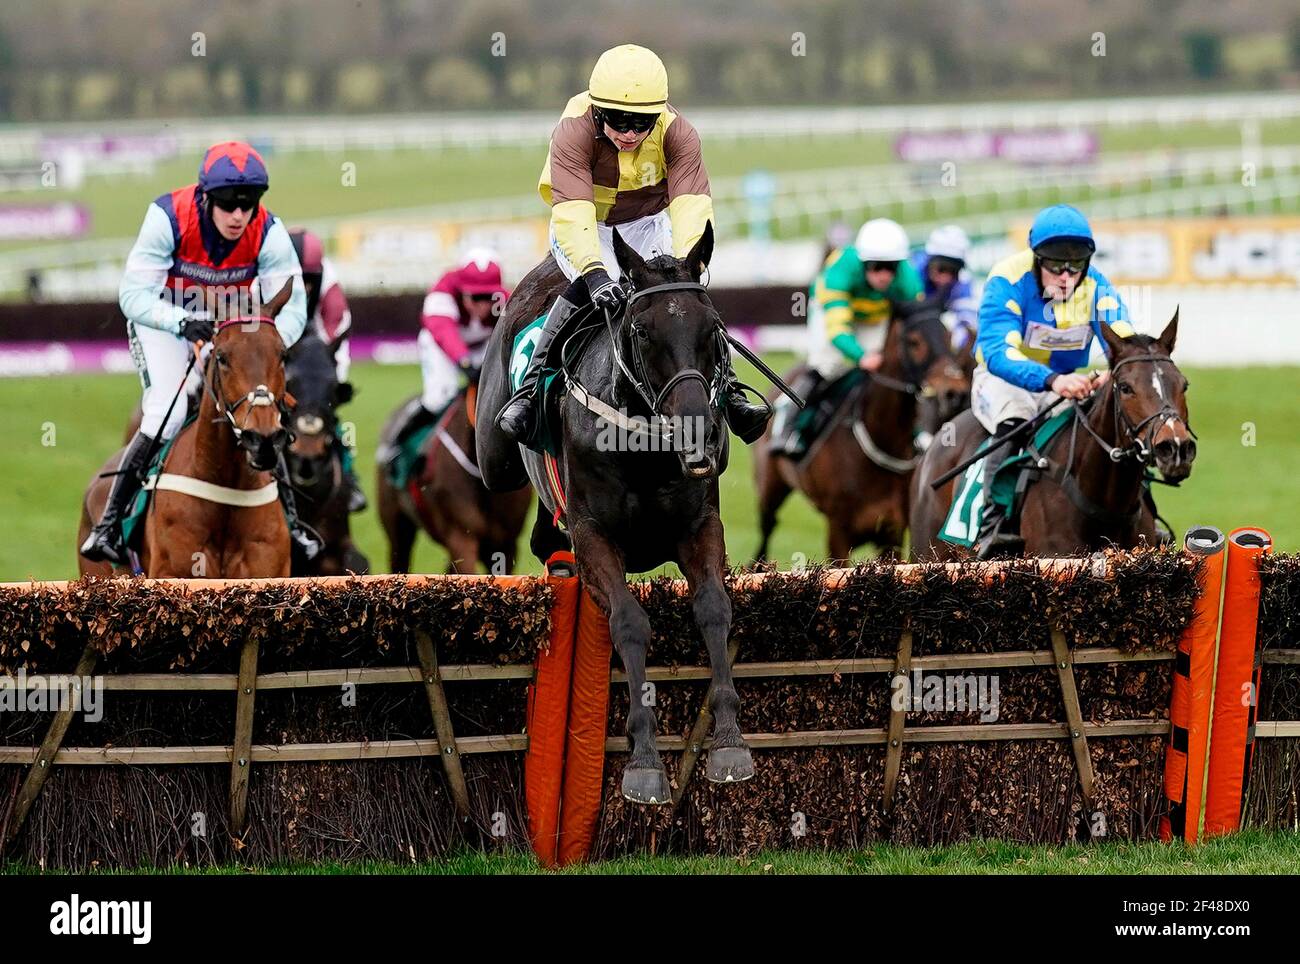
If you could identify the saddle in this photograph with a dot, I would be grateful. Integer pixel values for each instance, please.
(827, 398)
(550, 387)
(961, 527)
(132, 519)
(407, 463)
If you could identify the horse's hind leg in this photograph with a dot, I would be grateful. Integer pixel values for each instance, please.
(702, 562)
(402, 531)
(773, 490)
(600, 565)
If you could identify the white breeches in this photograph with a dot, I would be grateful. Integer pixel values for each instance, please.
(441, 374)
(161, 357)
(649, 237)
(994, 400)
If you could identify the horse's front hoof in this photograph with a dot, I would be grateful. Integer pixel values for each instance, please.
(730, 764)
(646, 785)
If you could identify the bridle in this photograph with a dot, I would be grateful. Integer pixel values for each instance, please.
(1141, 434)
(637, 374)
(640, 381)
(259, 397)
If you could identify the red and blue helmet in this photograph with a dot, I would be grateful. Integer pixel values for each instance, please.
(232, 164)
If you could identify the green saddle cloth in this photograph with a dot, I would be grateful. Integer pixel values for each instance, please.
(546, 434)
(406, 463)
(962, 525)
(132, 530)
(812, 420)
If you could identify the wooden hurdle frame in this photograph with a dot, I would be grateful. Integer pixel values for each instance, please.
(241, 754)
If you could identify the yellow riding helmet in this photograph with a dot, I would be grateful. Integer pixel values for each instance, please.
(629, 78)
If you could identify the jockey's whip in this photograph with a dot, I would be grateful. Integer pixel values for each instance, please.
(766, 372)
(157, 439)
(998, 441)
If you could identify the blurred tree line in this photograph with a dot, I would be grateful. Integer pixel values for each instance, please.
(85, 60)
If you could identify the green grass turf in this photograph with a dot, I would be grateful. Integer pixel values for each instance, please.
(84, 415)
(308, 185)
(1250, 852)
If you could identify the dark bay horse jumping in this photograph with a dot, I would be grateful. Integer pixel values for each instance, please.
(215, 512)
(1090, 493)
(858, 473)
(448, 499)
(313, 458)
(642, 442)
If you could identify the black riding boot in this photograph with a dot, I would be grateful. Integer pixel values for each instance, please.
(304, 538)
(390, 451)
(747, 419)
(786, 437)
(997, 532)
(517, 418)
(104, 543)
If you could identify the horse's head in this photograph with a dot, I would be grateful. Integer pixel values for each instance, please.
(672, 346)
(924, 353)
(1149, 398)
(245, 374)
(312, 379)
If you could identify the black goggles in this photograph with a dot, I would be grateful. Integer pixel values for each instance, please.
(626, 121)
(235, 199)
(890, 266)
(946, 265)
(1064, 265)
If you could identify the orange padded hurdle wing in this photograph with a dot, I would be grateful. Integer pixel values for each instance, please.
(548, 712)
(584, 755)
(1236, 687)
(1189, 705)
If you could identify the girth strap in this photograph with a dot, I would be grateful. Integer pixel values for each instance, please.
(221, 494)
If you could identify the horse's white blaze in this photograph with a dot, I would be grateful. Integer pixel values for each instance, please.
(1175, 424)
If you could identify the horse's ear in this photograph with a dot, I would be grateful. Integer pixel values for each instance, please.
(1115, 345)
(289, 400)
(1170, 334)
(343, 393)
(629, 262)
(336, 342)
(272, 307)
(701, 253)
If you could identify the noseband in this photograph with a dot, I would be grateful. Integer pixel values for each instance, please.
(1140, 435)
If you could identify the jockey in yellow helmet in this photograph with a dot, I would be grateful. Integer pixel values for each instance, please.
(621, 156)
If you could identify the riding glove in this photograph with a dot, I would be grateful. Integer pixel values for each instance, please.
(605, 291)
(196, 329)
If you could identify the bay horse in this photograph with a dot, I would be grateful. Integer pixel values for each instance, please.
(235, 526)
(448, 499)
(1088, 493)
(642, 441)
(858, 472)
(313, 459)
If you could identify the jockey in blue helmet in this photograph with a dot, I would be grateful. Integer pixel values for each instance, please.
(1041, 308)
